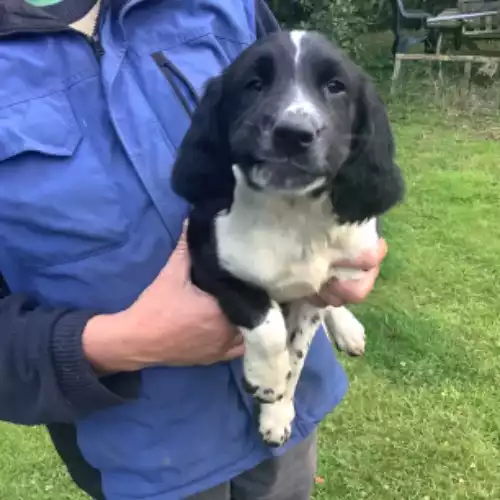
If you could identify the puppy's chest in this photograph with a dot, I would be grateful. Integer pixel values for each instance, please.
(285, 246)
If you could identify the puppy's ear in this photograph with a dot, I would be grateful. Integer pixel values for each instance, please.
(369, 183)
(203, 166)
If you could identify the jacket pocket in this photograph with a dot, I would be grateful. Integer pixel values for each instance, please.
(186, 67)
(57, 203)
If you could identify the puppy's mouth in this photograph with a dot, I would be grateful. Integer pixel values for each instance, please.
(284, 177)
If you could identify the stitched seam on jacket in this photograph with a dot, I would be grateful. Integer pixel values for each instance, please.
(64, 85)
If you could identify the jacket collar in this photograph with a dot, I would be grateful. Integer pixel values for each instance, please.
(18, 17)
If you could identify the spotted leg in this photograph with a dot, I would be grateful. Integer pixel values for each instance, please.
(266, 363)
(276, 418)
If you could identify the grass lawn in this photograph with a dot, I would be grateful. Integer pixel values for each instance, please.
(422, 418)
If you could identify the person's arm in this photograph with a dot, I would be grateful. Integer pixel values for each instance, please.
(44, 376)
(58, 365)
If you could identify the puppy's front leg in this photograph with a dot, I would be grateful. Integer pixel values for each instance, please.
(266, 361)
(260, 320)
(275, 419)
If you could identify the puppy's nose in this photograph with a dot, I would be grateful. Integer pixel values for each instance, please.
(294, 135)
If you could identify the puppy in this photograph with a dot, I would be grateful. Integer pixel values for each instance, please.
(287, 165)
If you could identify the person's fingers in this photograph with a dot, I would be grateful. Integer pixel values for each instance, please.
(354, 292)
(234, 352)
(338, 293)
(237, 340)
(327, 296)
(330, 298)
(182, 247)
(317, 300)
(178, 265)
(368, 259)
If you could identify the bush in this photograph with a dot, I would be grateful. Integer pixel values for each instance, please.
(341, 20)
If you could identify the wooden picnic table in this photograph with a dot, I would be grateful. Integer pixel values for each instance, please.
(467, 23)
(470, 20)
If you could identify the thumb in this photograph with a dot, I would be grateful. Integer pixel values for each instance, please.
(179, 264)
(233, 353)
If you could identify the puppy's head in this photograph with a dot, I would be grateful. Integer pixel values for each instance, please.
(297, 117)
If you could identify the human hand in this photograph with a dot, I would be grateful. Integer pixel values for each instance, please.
(171, 323)
(338, 293)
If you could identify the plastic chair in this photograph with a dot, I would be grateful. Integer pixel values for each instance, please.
(412, 19)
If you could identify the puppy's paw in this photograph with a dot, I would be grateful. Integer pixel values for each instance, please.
(275, 422)
(266, 378)
(345, 329)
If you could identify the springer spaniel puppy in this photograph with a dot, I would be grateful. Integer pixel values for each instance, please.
(287, 165)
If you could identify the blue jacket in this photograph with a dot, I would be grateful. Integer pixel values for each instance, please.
(88, 133)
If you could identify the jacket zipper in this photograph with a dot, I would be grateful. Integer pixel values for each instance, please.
(171, 72)
(95, 39)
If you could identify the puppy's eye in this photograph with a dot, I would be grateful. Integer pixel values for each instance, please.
(335, 86)
(255, 84)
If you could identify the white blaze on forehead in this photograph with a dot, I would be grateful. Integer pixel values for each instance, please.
(300, 102)
(297, 37)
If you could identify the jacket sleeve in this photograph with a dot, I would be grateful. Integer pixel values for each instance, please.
(265, 21)
(44, 377)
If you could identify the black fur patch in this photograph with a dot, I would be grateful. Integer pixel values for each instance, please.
(315, 318)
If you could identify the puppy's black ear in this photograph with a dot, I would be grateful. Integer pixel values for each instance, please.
(369, 183)
(203, 167)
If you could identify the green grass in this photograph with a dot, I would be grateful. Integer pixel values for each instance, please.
(422, 417)
(30, 469)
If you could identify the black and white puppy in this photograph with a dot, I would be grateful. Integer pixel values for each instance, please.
(287, 164)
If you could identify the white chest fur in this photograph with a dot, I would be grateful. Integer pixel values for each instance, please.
(287, 244)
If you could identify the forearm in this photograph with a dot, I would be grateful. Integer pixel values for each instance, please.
(110, 344)
(44, 374)
(130, 341)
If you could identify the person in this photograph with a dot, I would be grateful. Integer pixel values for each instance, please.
(103, 339)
